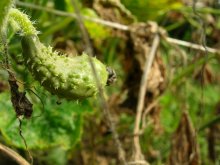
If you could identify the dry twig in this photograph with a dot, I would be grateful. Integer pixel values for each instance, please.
(141, 98)
(191, 45)
(14, 155)
(145, 113)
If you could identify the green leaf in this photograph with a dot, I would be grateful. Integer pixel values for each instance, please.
(96, 31)
(60, 4)
(147, 9)
(58, 125)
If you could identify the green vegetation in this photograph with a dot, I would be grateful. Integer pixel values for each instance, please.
(68, 125)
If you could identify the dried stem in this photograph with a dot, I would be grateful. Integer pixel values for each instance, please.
(145, 113)
(117, 26)
(104, 104)
(192, 45)
(13, 155)
(141, 98)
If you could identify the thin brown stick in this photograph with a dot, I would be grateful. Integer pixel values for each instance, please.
(192, 45)
(141, 98)
(145, 113)
(116, 26)
(13, 155)
(104, 105)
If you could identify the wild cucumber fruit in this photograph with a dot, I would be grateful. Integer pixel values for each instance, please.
(66, 77)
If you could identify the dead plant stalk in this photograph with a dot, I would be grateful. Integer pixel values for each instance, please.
(13, 155)
(141, 98)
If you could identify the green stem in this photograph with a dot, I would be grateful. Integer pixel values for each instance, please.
(5, 5)
(21, 23)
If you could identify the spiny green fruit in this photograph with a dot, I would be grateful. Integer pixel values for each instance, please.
(66, 77)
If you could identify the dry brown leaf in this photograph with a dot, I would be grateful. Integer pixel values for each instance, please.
(113, 10)
(3, 86)
(184, 149)
(137, 51)
(214, 139)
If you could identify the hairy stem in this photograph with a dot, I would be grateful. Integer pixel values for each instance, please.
(5, 5)
(21, 23)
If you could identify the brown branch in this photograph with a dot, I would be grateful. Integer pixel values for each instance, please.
(141, 98)
(145, 113)
(192, 45)
(13, 155)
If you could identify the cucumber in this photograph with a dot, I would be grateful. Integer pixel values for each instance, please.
(66, 77)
